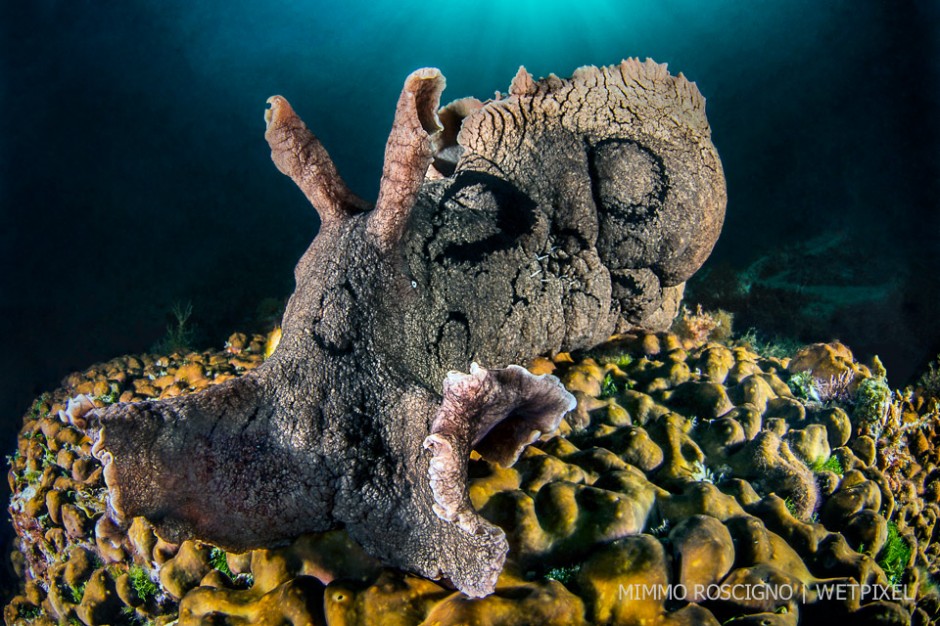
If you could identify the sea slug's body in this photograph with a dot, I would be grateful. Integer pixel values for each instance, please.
(541, 222)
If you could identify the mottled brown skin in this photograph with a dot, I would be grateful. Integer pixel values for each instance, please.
(555, 216)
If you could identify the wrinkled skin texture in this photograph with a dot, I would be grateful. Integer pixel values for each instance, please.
(540, 222)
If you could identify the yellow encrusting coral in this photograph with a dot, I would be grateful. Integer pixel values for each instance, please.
(684, 463)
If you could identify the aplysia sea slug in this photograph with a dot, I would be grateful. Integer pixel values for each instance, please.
(538, 222)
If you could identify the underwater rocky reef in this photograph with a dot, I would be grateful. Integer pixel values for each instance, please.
(688, 462)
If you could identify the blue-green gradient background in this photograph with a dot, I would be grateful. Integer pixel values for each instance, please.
(134, 173)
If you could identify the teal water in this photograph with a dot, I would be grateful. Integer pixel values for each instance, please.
(134, 174)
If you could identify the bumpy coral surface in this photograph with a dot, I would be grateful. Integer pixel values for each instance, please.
(691, 466)
(555, 216)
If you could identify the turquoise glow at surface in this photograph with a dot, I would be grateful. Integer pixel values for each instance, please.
(342, 64)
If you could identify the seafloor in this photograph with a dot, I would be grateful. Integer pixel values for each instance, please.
(700, 480)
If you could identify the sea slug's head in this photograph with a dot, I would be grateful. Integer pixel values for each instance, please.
(629, 141)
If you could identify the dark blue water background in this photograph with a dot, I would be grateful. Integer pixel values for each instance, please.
(134, 174)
